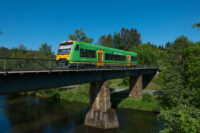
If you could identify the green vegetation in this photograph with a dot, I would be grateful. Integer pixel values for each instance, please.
(146, 103)
(118, 84)
(196, 25)
(140, 104)
(154, 86)
(79, 35)
(182, 118)
(44, 54)
(124, 39)
(45, 49)
(78, 94)
(180, 101)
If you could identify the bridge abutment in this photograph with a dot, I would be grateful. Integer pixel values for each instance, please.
(100, 114)
(135, 86)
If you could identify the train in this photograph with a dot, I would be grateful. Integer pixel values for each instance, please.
(77, 54)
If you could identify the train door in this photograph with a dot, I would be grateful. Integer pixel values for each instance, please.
(100, 58)
(128, 60)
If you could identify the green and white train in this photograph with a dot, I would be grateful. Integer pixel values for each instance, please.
(81, 54)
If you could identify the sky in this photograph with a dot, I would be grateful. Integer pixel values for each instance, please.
(33, 22)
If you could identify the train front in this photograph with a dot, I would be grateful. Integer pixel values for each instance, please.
(63, 54)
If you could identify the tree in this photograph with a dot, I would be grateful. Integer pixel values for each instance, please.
(117, 41)
(148, 54)
(175, 70)
(106, 40)
(196, 25)
(181, 87)
(4, 52)
(45, 49)
(192, 75)
(125, 39)
(1, 32)
(183, 118)
(22, 47)
(79, 35)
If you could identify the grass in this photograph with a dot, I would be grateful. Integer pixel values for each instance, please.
(79, 94)
(139, 104)
(117, 84)
(146, 103)
(154, 86)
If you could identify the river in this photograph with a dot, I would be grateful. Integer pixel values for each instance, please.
(27, 114)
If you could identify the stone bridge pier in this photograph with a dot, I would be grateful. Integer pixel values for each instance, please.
(138, 82)
(100, 114)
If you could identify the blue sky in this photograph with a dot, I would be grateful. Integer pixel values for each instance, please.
(32, 22)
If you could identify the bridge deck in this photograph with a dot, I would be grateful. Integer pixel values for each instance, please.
(74, 70)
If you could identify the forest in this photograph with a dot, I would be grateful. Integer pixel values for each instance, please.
(180, 75)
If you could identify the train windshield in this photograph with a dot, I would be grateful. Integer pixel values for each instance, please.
(63, 51)
(65, 48)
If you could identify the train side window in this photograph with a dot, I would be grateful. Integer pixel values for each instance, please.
(133, 58)
(87, 53)
(77, 47)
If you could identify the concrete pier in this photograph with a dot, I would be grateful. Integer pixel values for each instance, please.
(100, 114)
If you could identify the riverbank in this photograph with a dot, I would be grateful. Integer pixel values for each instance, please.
(78, 94)
(147, 102)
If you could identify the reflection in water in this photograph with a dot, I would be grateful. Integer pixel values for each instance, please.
(39, 115)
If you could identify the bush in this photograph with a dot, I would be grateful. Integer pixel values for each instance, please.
(125, 81)
(147, 97)
(181, 119)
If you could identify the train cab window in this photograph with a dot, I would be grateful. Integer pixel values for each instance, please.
(63, 51)
(77, 47)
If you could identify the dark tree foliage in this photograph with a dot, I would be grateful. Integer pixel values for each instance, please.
(175, 71)
(45, 49)
(181, 87)
(192, 75)
(197, 25)
(148, 54)
(125, 39)
(106, 40)
(30, 58)
(4, 52)
(168, 44)
(79, 35)
(182, 118)
(22, 47)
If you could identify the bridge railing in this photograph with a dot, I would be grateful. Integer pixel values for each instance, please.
(27, 64)
(19, 64)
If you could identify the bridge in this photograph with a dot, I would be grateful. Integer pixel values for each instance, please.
(19, 75)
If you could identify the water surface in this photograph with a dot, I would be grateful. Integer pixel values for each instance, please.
(27, 114)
